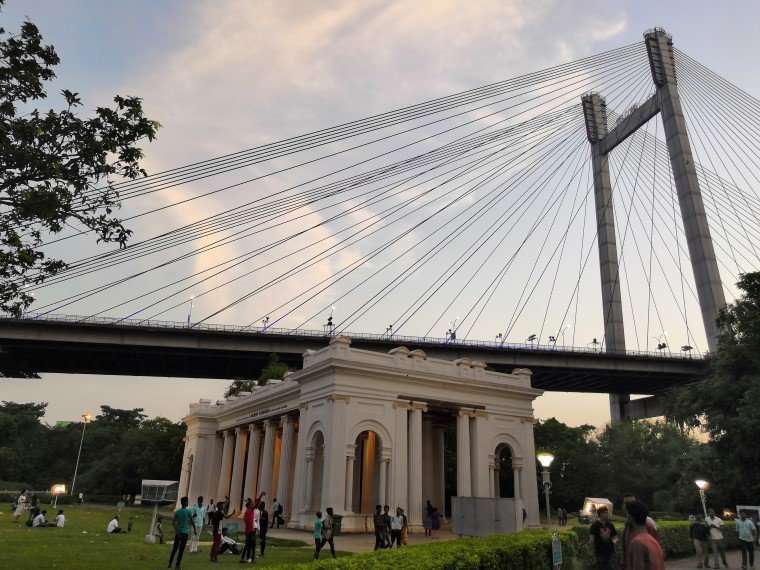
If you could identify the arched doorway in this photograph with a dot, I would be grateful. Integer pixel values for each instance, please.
(505, 479)
(317, 470)
(367, 459)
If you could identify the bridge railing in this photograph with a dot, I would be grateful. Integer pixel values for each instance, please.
(326, 333)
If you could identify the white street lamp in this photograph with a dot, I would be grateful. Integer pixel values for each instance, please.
(86, 418)
(546, 459)
(702, 485)
(190, 309)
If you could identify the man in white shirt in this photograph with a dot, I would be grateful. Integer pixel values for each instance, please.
(716, 538)
(60, 519)
(113, 526)
(39, 520)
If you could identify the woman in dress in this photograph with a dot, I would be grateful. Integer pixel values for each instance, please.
(427, 521)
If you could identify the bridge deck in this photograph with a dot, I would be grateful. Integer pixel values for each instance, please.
(134, 348)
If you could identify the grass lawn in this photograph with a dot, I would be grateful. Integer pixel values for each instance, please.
(84, 544)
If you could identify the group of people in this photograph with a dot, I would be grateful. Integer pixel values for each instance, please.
(390, 529)
(707, 536)
(190, 522)
(640, 542)
(562, 516)
(27, 505)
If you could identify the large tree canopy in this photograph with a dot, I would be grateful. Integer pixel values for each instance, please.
(56, 168)
(727, 404)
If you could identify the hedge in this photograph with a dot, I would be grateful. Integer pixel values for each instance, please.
(674, 537)
(529, 550)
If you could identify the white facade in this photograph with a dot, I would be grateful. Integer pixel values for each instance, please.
(356, 428)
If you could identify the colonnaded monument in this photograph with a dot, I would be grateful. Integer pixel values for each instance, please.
(356, 428)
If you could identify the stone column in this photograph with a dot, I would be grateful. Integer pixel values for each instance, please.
(236, 486)
(309, 473)
(478, 455)
(415, 464)
(496, 481)
(286, 453)
(334, 465)
(267, 458)
(491, 473)
(223, 489)
(464, 481)
(516, 470)
(350, 459)
(428, 462)
(400, 465)
(439, 462)
(254, 457)
(382, 497)
(299, 477)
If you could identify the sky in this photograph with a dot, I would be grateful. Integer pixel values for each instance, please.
(226, 75)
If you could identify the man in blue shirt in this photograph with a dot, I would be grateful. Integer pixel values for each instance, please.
(183, 519)
(745, 528)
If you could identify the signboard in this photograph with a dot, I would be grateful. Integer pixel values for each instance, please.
(556, 551)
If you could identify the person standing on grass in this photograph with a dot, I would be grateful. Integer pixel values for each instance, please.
(379, 522)
(328, 531)
(249, 550)
(183, 519)
(404, 528)
(263, 526)
(427, 520)
(745, 528)
(215, 519)
(644, 551)
(397, 526)
(387, 526)
(603, 537)
(199, 518)
(700, 537)
(318, 534)
(717, 544)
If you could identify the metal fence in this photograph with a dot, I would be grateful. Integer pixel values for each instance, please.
(328, 333)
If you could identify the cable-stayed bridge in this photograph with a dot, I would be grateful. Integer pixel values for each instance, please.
(491, 214)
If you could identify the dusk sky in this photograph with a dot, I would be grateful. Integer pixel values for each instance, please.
(231, 74)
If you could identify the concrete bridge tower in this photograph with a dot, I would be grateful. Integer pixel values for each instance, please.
(666, 101)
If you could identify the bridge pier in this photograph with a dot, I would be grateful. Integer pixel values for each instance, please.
(704, 265)
(595, 112)
(703, 262)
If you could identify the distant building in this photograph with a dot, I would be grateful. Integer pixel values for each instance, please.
(356, 428)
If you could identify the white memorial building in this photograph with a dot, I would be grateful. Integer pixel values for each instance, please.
(356, 428)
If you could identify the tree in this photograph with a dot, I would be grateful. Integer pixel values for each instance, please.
(56, 168)
(727, 404)
(273, 370)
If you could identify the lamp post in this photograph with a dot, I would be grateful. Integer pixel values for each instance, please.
(190, 309)
(545, 459)
(86, 418)
(702, 485)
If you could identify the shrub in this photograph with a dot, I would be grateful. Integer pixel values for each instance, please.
(529, 550)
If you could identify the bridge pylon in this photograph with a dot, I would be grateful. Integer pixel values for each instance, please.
(667, 102)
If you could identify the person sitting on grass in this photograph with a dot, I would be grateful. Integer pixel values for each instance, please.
(228, 543)
(113, 526)
(40, 521)
(60, 519)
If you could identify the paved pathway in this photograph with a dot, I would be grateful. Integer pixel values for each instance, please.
(356, 542)
(734, 561)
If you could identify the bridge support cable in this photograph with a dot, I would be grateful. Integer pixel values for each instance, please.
(132, 251)
(392, 188)
(488, 200)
